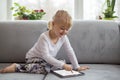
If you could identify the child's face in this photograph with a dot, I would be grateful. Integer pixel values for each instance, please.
(61, 29)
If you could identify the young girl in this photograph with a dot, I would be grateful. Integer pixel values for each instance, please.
(41, 57)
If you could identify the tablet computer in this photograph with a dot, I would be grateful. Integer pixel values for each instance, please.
(67, 74)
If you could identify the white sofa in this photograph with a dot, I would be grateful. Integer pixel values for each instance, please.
(96, 44)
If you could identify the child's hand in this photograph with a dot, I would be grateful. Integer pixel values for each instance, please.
(81, 68)
(67, 67)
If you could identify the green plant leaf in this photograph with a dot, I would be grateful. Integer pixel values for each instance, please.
(15, 14)
(12, 8)
(16, 4)
(25, 13)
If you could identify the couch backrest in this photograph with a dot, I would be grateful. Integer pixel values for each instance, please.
(95, 41)
(92, 41)
(17, 37)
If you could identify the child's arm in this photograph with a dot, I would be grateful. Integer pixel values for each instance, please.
(70, 53)
(72, 56)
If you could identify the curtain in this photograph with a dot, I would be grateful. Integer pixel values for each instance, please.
(118, 9)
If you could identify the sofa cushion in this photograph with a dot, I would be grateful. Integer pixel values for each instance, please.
(19, 76)
(95, 42)
(17, 37)
(96, 72)
(92, 41)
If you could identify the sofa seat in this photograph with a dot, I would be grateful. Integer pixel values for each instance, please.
(19, 76)
(96, 72)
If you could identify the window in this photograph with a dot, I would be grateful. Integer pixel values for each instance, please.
(49, 6)
(93, 8)
(78, 9)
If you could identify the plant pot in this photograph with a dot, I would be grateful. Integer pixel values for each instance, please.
(109, 18)
(17, 18)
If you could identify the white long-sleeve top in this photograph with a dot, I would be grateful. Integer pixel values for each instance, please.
(47, 50)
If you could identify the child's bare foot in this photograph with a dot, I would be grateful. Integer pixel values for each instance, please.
(9, 69)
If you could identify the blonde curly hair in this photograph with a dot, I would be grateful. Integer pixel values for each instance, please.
(61, 16)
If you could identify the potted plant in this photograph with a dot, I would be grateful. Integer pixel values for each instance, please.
(109, 11)
(26, 14)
